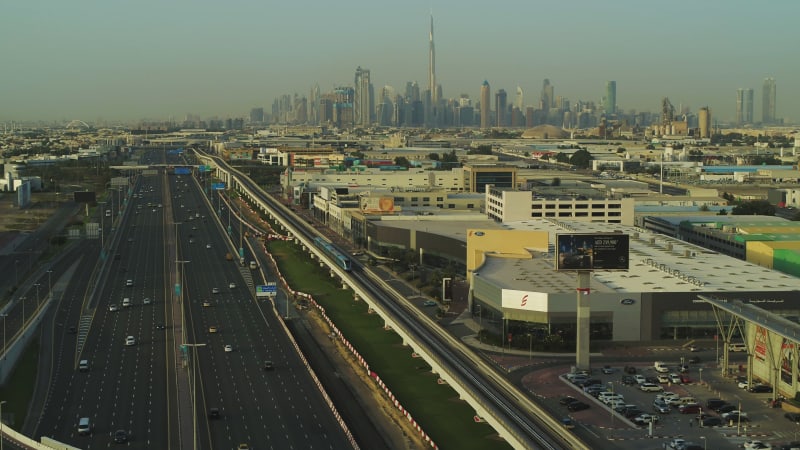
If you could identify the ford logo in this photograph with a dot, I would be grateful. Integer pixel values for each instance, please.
(627, 301)
(479, 233)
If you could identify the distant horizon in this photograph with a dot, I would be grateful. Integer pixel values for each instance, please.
(123, 63)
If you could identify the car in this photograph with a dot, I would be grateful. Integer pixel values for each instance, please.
(212, 329)
(567, 423)
(645, 418)
(794, 445)
(667, 396)
(128, 283)
(232, 286)
(243, 447)
(689, 408)
(640, 379)
(628, 379)
(213, 413)
(663, 378)
(120, 436)
(694, 360)
(712, 421)
(650, 387)
(595, 389)
(228, 348)
(590, 382)
(733, 414)
(653, 380)
(725, 409)
(760, 388)
(147, 301)
(630, 370)
(694, 348)
(714, 403)
(792, 417)
(161, 326)
(742, 384)
(429, 303)
(608, 370)
(268, 365)
(685, 379)
(206, 304)
(683, 368)
(755, 444)
(577, 406)
(130, 340)
(676, 443)
(208, 245)
(674, 378)
(661, 407)
(215, 290)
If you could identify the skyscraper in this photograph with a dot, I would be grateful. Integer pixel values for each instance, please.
(500, 100)
(520, 100)
(768, 101)
(704, 122)
(744, 106)
(547, 95)
(486, 102)
(432, 68)
(610, 103)
(363, 98)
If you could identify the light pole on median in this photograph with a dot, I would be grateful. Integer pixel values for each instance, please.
(50, 282)
(37, 293)
(23, 315)
(16, 273)
(194, 391)
(1, 423)
(530, 347)
(611, 385)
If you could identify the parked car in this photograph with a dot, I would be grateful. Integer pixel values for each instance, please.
(661, 407)
(653, 380)
(650, 387)
(689, 408)
(793, 417)
(742, 384)
(714, 403)
(725, 409)
(567, 399)
(713, 421)
(608, 370)
(577, 406)
(685, 378)
(628, 379)
(663, 378)
(761, 388)
(674, 378)
(630, 370)
(568, 423)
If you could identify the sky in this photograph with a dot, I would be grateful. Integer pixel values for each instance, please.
(159, 59)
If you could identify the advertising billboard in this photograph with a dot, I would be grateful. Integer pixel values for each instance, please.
(84, 196)
(592, 251)
(383, 204)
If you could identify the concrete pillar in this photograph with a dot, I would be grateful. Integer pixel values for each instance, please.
(344, 286)
(421, 253)
(583, 316)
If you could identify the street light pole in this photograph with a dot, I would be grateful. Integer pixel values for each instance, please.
(194, 391)
(480, 324)
(23, 315)
(50, 283)
(611, 385)
(530, 347)
(16, 273)
(37, 294)
(1, 424)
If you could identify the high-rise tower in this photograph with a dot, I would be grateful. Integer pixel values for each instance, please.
(500, 100)
(768, 101)
(363, 101)
(610, 103)
(432, 68)
(744, 106)
(486, 102)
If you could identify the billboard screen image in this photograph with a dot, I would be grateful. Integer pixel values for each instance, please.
(592, 251)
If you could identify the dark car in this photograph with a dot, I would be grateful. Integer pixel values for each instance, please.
(633, 412)
(653, 380)
(737, 418)
(689, 408)
(713, 421)
(567, 399)
(120, 436)
(590, 382)
(213, 413)
(608, 370)
(761, 388)
(577, 406)
(714, 403)
(725, 408)
(794, 417)
(268, 365)
(627, 379)
(790, 445)
(630, 370)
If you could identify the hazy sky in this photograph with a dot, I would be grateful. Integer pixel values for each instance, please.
(131, 59)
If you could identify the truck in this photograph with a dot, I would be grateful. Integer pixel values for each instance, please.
(228, 257)
(253, 265)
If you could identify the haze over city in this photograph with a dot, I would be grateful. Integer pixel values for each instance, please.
(149, 59)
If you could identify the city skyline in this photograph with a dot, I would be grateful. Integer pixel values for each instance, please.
(125, 62)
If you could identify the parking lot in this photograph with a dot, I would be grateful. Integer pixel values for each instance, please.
(703, 381)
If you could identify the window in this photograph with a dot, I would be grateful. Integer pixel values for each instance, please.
(470, 205)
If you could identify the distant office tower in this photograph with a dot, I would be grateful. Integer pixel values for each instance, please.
(313, 105)
(432, 67)
(520, 100)
(343, 107)
(744, 106)
(529, 112)
(704, 119)
(768, 101)
(412, 92)
(547, 95)
(256, 115)
(486, 102)
(363, 98)
(610, 104)
(500, 107)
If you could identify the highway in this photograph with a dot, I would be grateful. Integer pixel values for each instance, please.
(528, 423)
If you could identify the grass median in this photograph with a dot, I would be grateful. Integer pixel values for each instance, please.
(435, 407)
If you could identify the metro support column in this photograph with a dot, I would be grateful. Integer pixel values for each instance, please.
(583, 320)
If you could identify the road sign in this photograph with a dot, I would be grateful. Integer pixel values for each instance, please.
(218, 186)
(268, 290)
(205, 168)
(183, 171)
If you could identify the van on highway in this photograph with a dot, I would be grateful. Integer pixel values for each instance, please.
(83, 365)
(84, 426)
(126, 302)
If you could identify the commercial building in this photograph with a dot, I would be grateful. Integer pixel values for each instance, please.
(768, 101)
(486, 103)
(610, 100)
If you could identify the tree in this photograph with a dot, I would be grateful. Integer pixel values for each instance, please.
(402, 161)
(722, 212)
(358, 154)
(433, 156)
(450, 157)
(581, 158)
(562, 158)
(556, 182)
(752, 208)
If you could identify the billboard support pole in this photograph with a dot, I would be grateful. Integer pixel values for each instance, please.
(582, 329)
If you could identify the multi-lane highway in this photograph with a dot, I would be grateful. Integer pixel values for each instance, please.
(136, 390)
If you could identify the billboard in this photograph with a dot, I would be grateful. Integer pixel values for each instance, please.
(383, 204)
(218, 186)
(183, 171)
(84, 196)
(592, 251)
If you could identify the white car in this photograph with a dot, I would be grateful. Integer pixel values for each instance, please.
(756, 445)
(677, 443)
(640, 379)
(663, 378)
(650, 387)
(734, 413)
(228, 348)
(208, 245)
(130, 340)
(113, 307)
(147, 301)
(215, 290)
(674, 378)
(743, 384)
(645, 418)
(232, 285)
